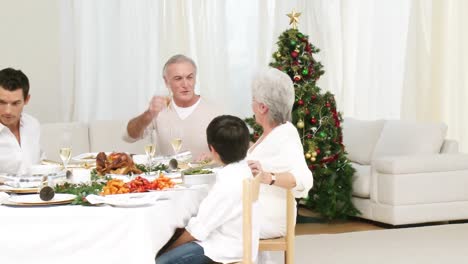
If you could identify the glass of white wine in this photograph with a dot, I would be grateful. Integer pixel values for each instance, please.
(65, 154)
(150, 149)
(176, 140)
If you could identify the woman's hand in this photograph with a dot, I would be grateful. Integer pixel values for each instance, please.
(257, 171)
(255, 167)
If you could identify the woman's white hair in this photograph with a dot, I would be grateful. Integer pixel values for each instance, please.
(275, 89)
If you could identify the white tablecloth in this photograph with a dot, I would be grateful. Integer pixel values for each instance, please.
(93, 234)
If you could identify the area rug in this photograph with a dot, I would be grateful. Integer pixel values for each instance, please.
(429, 244)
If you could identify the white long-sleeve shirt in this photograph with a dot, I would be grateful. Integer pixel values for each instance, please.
(16, 158)
(280, 151)
(218, 224)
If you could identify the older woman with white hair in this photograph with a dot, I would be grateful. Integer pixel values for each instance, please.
(277, 156)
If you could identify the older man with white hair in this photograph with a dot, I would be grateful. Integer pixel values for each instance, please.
(185, 111)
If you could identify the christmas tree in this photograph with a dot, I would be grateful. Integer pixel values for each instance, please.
(319, 126)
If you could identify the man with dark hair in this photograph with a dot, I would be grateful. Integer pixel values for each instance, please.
(215, 234)
(19, 132)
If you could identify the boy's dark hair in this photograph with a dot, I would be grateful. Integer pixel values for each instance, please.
(229, 136)
(12, 80)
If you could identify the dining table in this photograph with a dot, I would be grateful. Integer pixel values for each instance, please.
(95, 234)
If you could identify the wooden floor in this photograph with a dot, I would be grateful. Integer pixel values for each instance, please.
(334, 227)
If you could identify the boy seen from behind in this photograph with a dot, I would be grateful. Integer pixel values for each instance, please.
(215, 234)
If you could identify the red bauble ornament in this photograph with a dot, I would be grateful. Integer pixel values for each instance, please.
(318, 151)
(307, 111)
(311, 167)
(296, 63)
(300, 102)
(313, 97)
(294, 54)
(313, 120)
(309, 136)
(307, 48)
(297, 78)
(327, 104)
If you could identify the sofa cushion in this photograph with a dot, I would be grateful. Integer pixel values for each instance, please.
(361, 180)
(360, 137)
(107, 135)
(407, 138)
(56, 135)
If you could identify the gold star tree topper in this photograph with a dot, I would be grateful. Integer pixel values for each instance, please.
(294, 19)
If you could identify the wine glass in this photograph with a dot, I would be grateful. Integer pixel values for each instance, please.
(65, 154)
(150, 149)
(176, 140)
(65, 149)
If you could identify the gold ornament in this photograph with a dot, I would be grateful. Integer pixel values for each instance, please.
(312, 159)
(278, 55)
(294, 19)
(308, 155)
(300, 124)
(314, 154)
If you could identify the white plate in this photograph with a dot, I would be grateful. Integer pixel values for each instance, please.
(177, 187)
(87, 157)
(34, 199)
(9, 189)
(125, 200)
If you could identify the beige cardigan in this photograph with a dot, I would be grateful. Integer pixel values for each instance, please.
(193, 128)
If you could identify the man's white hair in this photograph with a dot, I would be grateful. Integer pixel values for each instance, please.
(275, 89)
(178, 59)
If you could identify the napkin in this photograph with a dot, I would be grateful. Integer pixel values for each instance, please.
(3, 197)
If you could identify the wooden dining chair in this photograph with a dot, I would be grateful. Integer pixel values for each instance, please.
(285, 243)
(250, 191)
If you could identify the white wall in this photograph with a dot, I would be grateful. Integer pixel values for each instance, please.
(29, 41)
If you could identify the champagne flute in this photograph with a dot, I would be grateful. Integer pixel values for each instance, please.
(65, 154)
(65, 148)
(150, 149)
(176, 140)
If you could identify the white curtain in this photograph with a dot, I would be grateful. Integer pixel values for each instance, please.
(113, 51)
(382, 59)
(436, 79)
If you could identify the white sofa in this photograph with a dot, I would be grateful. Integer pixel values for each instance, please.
(406, 172)
(83, 138)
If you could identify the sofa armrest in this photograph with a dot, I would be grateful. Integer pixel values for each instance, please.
(449, 146)
(421, 163)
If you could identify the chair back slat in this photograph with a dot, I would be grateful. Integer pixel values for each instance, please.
(250, 189)
(286, 243)
(290, 228)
